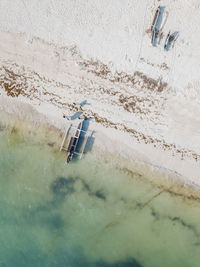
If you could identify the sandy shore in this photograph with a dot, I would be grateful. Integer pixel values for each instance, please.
(131, 114)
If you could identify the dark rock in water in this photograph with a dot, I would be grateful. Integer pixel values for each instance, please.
(127, 263)
(14, 130)
(30, 255)
(86, 186)
(62, 186)
(184, 224)
(155, 214)
(55, 222)
(51, 144)
(139, 204)
(46, 216)
(100, 195)
(81, 261)
(1, 128)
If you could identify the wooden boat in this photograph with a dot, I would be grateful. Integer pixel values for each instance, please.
(155, 19)
(158, 24)
(73, 143)
(170, 40)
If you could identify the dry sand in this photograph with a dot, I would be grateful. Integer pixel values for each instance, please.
(144, 102)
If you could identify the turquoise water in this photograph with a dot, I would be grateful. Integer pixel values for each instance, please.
(89, 213)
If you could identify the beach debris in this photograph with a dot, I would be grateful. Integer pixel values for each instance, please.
(66, 117)
(170, 40)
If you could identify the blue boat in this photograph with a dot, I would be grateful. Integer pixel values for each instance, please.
(170, 40)
(156, 25)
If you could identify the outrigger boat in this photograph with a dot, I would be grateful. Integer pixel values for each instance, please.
(170, 40)
(158, 24)
(155, 19)
(73, 143)
(75, 140)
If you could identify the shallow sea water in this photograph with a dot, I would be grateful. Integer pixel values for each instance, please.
(88, 213)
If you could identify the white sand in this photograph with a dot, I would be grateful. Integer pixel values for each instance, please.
(165, 119)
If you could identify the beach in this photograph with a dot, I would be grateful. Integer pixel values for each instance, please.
(133, 198)
(134, 116)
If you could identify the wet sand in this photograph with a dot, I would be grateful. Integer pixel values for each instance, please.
(42, 132)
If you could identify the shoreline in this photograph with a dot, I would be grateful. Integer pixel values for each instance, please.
(43, 131)
(128, 73)
(51, 92)
(118, 197)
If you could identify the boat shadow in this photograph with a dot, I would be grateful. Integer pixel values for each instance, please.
(86, 142)
(76, 115)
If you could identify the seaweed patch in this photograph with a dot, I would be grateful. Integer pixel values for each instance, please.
(54, 222)
(127, 263)
(62, 187)
(50, 144)
(98, 193)
(184, 224)
(155, 214)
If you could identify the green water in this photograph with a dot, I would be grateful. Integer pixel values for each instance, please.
(88, 213)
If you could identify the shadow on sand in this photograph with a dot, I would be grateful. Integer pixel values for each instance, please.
(76, 115)
(86, 142)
